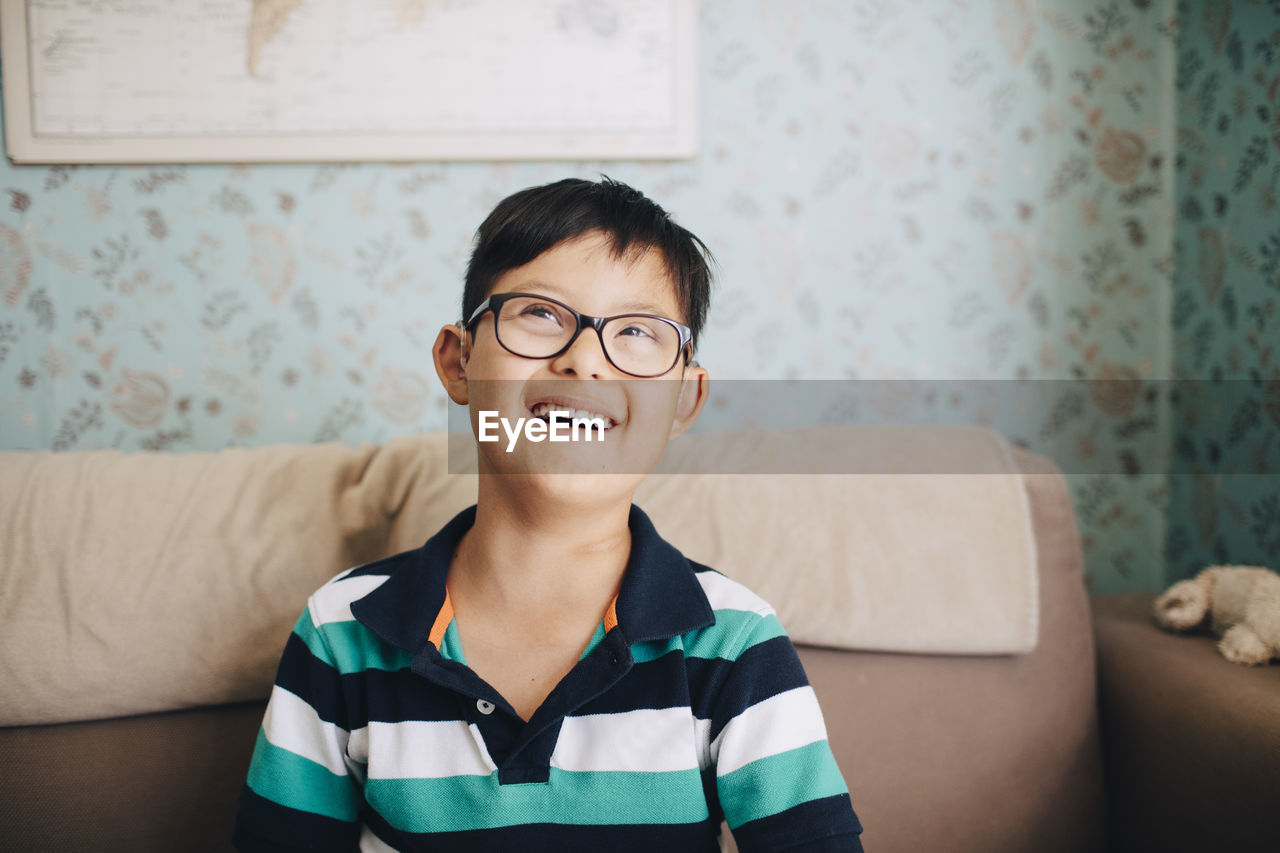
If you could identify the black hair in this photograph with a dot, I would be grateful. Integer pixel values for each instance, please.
(534, 220)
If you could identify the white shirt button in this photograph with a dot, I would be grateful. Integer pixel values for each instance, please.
(484, 707)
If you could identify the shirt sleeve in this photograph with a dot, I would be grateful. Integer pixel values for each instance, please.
(776, 778)
(300, 793)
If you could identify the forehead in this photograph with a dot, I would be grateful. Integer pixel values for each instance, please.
(586, 273)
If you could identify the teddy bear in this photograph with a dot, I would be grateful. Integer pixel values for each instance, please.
(1243, 603)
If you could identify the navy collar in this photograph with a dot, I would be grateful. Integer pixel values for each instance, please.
(660, 595)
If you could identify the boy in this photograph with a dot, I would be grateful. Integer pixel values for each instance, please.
(546, 673)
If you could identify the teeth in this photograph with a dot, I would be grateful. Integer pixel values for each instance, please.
(542, 410)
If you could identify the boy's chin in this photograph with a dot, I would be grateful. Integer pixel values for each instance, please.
(570, 473)
(586, 489)
(567, 491)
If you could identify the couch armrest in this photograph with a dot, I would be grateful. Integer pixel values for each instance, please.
(1191, 742)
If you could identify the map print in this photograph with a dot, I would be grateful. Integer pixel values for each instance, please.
(172, 68)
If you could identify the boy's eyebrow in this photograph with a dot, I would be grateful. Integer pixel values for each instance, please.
(643, 307)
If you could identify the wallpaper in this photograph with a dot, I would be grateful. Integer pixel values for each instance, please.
(1227, 289)
(935, 190)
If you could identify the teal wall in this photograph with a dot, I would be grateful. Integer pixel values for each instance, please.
(912, 190)
(1226, 320)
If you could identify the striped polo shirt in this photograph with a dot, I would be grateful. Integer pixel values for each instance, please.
(689, 705)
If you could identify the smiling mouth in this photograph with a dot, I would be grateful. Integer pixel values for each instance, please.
(542, 412)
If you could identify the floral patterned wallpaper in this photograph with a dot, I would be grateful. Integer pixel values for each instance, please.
(1226, 312)
(922, 189)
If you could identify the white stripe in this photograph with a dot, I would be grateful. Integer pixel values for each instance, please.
(290, 723)
(426, 749)
(332, 602)
(778, 724)
(647, 740)
(726, 594)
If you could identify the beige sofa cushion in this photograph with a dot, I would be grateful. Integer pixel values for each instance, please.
(931, 553)
(141, 582)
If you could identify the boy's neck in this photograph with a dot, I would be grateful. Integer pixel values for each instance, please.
(543, 557)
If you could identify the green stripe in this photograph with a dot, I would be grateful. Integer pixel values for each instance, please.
(291, 780)
(718, 641)
(772, 785)
(479, 802)
(350, 647)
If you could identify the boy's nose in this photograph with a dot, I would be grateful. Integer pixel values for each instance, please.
(585, 357)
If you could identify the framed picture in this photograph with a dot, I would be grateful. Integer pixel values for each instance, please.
(327, 80)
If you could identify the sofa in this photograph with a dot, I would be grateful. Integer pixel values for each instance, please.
(976, 697)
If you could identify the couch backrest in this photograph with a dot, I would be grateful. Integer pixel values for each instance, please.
(132, 583)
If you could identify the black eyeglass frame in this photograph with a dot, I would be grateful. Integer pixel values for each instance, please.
(495, 301)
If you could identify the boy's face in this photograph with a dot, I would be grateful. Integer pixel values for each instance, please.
(644, 414)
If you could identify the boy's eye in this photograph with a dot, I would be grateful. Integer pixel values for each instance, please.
(639, 333)
(541, 312)
(636, 330)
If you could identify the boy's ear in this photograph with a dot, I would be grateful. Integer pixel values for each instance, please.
(450, 353)
(694, 391)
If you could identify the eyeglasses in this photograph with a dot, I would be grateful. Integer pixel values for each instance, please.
(532, 326)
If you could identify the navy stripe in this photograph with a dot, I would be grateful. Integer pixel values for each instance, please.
(314, 681)
(280, 829)
(654, 684)
(402, 695)
(351, 701)
(671, 681)
(764, 670)
(555, 838)
(706, 678)
(711, 792)
(703, 684)
(778, 832)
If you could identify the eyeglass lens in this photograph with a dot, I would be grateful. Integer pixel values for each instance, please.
(538, 328)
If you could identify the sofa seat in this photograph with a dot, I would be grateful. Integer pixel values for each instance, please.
(1192, 741)
(153, 782)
